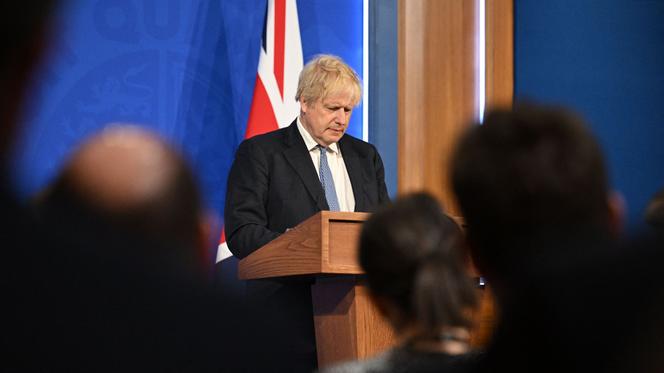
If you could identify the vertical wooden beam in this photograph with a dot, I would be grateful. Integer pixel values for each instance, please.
(437, 90)
(438, 75)
(411, 76)
(499, 52)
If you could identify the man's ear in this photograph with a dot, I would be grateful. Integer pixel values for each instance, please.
(304, 106)
(617, 207)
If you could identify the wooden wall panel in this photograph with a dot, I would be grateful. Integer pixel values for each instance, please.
(438, 76)
(437, 84)
(499, 52)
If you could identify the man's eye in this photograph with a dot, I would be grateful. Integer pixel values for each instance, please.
(336, 108)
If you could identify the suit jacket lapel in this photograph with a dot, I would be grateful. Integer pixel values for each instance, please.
(354, 173)
(297, 155)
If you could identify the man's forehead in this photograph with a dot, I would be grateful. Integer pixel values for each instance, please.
(338, 99)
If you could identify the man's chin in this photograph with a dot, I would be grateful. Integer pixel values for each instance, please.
(335, 136)
(334, 139)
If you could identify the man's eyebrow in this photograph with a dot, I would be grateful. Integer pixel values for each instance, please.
(338, 104)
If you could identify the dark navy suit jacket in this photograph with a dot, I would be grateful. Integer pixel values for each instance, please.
(273, 185)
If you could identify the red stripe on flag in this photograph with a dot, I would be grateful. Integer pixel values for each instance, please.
(261, 116)
(279, 42)
(222, 239)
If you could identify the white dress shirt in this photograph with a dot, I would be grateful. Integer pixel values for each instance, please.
(335, 160)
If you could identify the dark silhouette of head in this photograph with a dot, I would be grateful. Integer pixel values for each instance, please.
(23, 29)
(654, 214)
(525, 175)
(414, 258)
(130, 181)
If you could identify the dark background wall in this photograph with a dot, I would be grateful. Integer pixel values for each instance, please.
(605, 59)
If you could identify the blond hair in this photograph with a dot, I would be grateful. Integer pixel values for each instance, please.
(324, 75)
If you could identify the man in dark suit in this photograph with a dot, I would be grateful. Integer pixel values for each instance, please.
(283, 177)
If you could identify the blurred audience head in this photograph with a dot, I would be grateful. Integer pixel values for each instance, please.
(654, 214)
(528, 173)
(130, 180)
(24, 25)
(414, 259)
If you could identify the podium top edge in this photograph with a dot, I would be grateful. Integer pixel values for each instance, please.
(345, 215)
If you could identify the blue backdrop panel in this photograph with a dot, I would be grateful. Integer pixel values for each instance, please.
(183, 68)
(332, 26)
(604, 59)
(384, 72)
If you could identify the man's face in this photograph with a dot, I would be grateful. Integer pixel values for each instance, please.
(326, 120)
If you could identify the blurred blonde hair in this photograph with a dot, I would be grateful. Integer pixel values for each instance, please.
(324, 75)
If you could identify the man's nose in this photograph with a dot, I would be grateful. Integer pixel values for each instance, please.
(340, 116)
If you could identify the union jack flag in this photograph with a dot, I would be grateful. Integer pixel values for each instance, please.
(279, 67)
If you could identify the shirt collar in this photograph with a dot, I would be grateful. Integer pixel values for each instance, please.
(309, 141)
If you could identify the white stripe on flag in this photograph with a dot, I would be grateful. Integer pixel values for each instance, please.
(285, 109)
(223, 252)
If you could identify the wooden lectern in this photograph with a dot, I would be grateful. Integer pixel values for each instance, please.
(348, 326)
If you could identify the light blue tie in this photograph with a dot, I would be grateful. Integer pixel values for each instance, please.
(327, 181)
